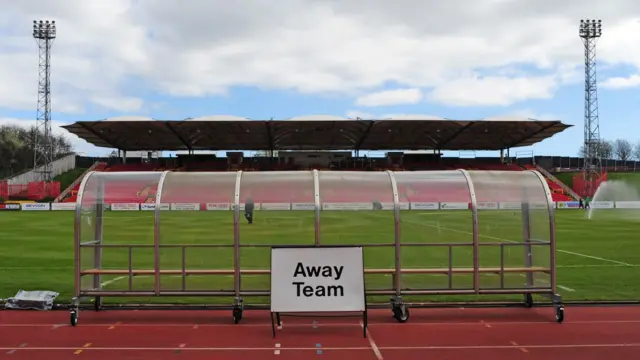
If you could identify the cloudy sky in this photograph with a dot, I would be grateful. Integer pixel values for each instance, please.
(459, 59)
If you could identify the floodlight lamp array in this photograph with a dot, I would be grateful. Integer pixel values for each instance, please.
(590, 29)
(44, 29)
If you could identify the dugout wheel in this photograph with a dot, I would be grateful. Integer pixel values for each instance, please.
(528, 301)
(237, 315)
(401, 313)
(560, 313)
(73, 317)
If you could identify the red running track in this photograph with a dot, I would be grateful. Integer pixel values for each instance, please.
(479, 334)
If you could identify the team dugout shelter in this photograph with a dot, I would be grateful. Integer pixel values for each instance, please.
(408, 258)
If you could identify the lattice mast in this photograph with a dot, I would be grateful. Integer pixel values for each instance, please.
(590, 31)
(44, 32)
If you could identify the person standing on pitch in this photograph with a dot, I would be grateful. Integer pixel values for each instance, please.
(587, 203)
(248, 210)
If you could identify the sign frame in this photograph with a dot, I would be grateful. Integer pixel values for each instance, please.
(276, 316)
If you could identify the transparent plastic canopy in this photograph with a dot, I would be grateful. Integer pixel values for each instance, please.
(424, 219)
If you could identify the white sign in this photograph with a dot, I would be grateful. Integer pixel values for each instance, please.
(303, 206)
(425, 206)
(275, 206)
(454, 206)
(484, 205)
(36, 206)
(627, 204)
(567, 204)
(218, 206)
(185, 206)
(539, 205)
(390, 206)
(602, 205)
(316, 279)
(125, 207)
(347, 206)
(152, 206)
(147, 207)
(68, 206)
(510, 205)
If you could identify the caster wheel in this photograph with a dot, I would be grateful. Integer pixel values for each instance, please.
(401, 313)
(560, 314)
(528, 301)
(73, 317)
(237, 315)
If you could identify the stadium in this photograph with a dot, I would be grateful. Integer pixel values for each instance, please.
(155, 232)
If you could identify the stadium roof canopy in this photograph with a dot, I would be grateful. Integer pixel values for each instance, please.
(321, 132)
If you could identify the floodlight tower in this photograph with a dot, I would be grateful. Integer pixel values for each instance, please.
(43, 155)
(590, 31)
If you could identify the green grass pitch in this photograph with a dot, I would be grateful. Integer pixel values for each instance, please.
(597, 259)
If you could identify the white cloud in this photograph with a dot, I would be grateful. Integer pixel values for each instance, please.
(352, 114)
(366, 116)
(411, 117)
(391, 97)
(531, 114)
(110, 49)
(118, 103)
(621, 82)
(495, 91)
(79, 145)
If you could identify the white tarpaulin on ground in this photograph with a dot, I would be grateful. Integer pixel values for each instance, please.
(32, 300)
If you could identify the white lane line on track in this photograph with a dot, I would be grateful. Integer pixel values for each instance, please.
(301, 325)
(345, 348)
(372, 343)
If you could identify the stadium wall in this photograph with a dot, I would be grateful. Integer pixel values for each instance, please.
(419, 206)
(58, 167)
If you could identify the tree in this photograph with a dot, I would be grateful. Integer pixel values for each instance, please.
(17, 150)
(622, 149)
(604, 150)
(636, 151)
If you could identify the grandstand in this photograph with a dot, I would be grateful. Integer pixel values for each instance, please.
(319, 142)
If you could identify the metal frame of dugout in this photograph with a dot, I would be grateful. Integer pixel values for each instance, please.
(398, 306)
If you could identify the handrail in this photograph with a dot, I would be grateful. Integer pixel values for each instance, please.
(75, 182)
(557, 181)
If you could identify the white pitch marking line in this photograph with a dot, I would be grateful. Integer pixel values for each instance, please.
(511, 241)
(565, 288)
(109, 282)
(593, 266)
(119, 278)
(372, 343)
